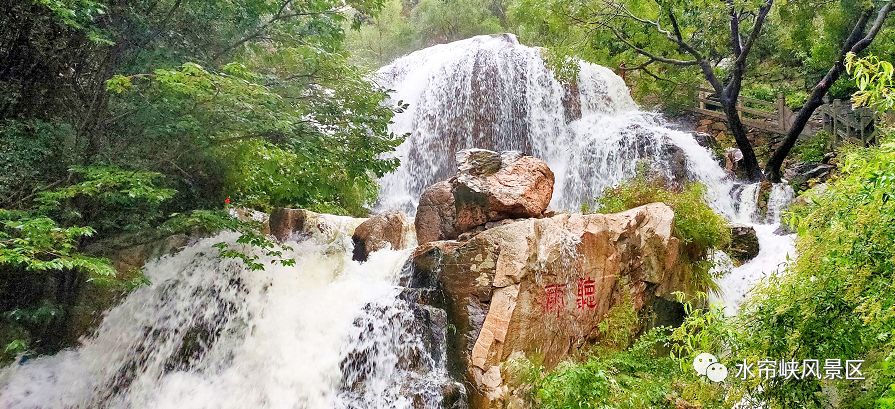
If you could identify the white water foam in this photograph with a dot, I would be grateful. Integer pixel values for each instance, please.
(334, 333)
(492, 92)
(210, 334)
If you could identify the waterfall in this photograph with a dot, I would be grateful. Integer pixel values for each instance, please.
(208, 333)
(492, 92)
(330, 332)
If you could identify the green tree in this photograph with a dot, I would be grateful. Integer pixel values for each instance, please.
(717, 40)
(380, 39)
(876, 82)
(442, 21)
(117, 115)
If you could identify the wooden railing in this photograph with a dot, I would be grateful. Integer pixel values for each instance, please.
(774, 117)
(847, 124)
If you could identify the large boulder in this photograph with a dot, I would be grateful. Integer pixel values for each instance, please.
(489, 186)
(544, 285)
(387, 230)
(435, 219)
(743, 243)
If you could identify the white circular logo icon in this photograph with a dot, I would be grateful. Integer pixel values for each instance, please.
(716, 372)
(702, 362)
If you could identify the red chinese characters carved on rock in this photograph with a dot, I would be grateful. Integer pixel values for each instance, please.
(554, 298)
(586, 297)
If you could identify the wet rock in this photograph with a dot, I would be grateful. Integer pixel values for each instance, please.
(763, 200)
(733, 163)
(128, 254)
(285, 222)
(493, 186)
(677, 162)
(571, 101)
(743, 243)
(289, 224)
(489, 187)
(830, 158)
(783, 230)
(435, 218)
(419, 330)
(388, 230)
(706, 140)
(801, 175)
(544, 285)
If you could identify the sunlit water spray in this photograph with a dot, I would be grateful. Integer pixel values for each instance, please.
(333, 333)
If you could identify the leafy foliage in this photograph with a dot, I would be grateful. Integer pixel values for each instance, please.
(32, 150)
(268, 143)
(114, 116)
(836, 299)
(812, 148)
(698, 227)
(403, 27)
(37, 243)
(641, 376)
(108, 198)
(875, 79)
(634, 378)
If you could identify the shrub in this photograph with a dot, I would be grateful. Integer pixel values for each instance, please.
(836, 300)
(639, 377)
(698, 227)
(812, 148)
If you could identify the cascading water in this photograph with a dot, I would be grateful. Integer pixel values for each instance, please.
(492, 92)
(208, 333)
(333, 333)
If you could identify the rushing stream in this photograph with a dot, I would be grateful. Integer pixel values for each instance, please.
(330, 332)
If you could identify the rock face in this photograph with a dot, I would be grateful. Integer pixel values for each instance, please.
(743, 243)
(801, 174)
(381, 231)
(544, 285)
(128, 254)
(488, 187)
(435, 218)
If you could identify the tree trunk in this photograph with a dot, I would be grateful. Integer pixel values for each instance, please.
(775, 162)
(750, 163)
(855, 43)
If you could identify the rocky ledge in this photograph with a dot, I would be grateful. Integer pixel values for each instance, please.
(518, 280)
(513, 278)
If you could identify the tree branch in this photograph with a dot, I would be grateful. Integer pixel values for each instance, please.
(736, 42)
(756, 30)
(856, 42)
(278, 16)
(741, 51)
(646, 53)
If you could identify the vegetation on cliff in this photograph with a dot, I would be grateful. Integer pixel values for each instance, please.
(117, 117)
(699, 228)
(835, 301)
